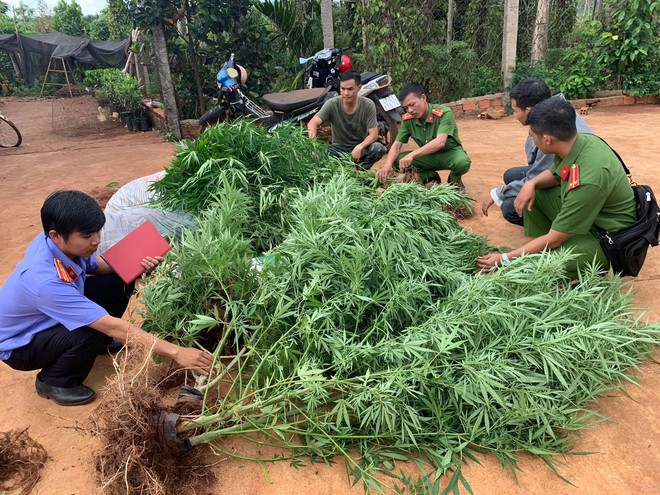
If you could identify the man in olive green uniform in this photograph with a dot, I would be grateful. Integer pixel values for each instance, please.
(433, 128)
(585, 189)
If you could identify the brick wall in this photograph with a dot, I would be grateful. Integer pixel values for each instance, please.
(466, 107)
(470, 107)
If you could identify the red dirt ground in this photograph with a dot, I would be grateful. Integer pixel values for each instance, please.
(624, 460)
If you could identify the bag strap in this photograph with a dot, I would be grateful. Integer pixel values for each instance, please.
(623, 164)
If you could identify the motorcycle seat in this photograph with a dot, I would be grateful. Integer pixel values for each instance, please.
(290, 100)
(368, 76)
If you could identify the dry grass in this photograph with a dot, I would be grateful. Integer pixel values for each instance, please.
(21, 460)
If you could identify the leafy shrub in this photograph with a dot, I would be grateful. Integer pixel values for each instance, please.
(450, 74)
(644, 78)
(486, 81)
(97, 78)
(115, 89)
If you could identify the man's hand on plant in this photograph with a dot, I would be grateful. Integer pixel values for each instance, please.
(384, 173)
(489, 261)
(356, 153)
(194, 359)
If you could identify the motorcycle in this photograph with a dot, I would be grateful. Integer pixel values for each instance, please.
(323, 70)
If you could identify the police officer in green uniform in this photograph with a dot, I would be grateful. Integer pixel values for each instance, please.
(433, 128)
(585, 189)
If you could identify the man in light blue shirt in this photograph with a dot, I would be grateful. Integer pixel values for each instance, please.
(56, 318)
(524, 96)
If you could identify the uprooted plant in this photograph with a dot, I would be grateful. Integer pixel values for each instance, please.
(366, 334)
(21, 460)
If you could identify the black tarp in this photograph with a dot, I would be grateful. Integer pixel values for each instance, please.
(45, 46)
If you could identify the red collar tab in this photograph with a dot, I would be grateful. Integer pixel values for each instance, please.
(72, 273)
(564, 173)
(574, 177)
(406, 116)
(62, 272)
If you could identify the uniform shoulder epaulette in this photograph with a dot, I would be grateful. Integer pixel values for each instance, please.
(573, 177)
(406, 116)
(62, 272)
(438, 111)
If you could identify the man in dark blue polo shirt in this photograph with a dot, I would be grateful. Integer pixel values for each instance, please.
(55, 318)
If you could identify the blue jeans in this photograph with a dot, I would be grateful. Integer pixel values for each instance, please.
(508, 211)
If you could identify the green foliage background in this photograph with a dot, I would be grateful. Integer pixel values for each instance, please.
(588, 51)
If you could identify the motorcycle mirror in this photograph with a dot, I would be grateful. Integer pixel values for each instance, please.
(303, 60)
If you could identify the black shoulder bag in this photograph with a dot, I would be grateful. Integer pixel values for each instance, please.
(626, 249)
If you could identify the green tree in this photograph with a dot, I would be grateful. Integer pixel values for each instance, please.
(99, 28)
(44, 21)
(120, 21)
(629, 49)
(25, 18)
(68, 18)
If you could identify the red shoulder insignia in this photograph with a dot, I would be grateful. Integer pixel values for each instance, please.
(564, 173)
(438, 111)
(574, 177)
(406, 116)
(62, 272)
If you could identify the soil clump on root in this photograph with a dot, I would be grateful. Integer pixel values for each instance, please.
(21, 460)
(133, 458)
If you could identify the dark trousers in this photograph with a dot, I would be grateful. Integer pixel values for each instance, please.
(373, 153)
(65, 357)
(508, 211)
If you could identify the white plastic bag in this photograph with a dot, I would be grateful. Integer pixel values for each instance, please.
(129, 208)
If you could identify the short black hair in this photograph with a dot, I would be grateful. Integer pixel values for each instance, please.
(67, 212)
(530, 92)
(554, 117)
(413, 88)
(350, 74)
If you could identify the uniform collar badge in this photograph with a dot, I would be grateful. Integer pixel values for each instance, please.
(564, 173)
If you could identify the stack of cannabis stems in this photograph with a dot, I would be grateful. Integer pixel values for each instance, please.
(365, 330)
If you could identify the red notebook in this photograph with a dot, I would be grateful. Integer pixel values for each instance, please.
(125, 256)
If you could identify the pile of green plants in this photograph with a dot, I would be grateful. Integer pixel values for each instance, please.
(367, 333)
(114, 89)
(269, 168)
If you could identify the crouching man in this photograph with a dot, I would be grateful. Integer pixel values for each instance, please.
(585, 189)
(56, 318)
(434, 130)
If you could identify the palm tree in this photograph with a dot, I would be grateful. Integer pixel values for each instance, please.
(326, 24)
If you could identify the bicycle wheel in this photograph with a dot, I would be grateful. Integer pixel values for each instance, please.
(10, 137)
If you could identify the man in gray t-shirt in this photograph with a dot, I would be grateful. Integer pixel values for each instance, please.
(524, 96)
(353, 121)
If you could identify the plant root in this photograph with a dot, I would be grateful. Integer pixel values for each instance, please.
(133, 459)
(21, 460)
